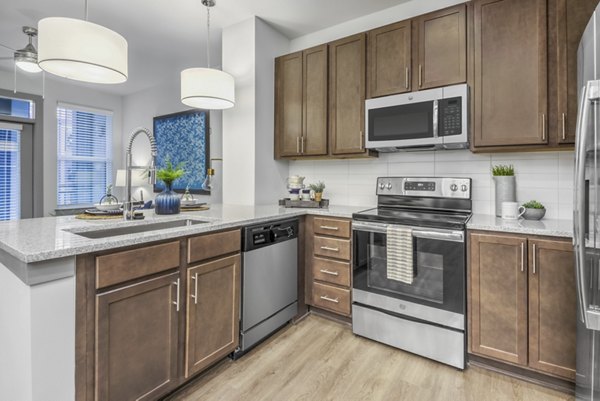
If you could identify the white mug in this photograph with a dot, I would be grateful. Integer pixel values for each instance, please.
(512, 210)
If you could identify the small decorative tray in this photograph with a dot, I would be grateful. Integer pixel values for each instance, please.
(96, 212)
(304, 203)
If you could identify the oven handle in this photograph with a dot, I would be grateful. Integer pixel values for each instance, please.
(419, 232)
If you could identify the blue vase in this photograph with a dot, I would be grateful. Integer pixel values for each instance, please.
(167, 202)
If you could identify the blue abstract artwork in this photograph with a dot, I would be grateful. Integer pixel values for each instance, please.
(183, 138)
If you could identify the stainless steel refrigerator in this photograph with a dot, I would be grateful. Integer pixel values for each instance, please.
(586, 215)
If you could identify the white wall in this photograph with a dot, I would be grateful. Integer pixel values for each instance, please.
(63, 91)
(140, 108)
(544, 176)
(393, 14)
(250, 174)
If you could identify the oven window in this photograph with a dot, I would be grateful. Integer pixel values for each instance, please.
(410, 121)
(437, 271)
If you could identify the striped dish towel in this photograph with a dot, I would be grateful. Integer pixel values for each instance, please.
(400, 254)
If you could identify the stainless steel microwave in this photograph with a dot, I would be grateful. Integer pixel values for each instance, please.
(428, 119)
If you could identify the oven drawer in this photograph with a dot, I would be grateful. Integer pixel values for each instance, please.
(331, 298)
(332, 227)
(332, 248)
(331, 271)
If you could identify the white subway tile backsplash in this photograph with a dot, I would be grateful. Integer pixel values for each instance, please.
(545, 176)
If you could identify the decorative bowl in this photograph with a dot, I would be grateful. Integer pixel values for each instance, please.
(534, 214)
(108, 206)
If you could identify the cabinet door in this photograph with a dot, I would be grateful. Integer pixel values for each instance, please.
(510, 73)
(136, 340)
(570, 22)
(314, 131)
(552, 307)
(498, 297)
(389, 59)
(288, 104)
(347, 95)
(442, 48)
(212, 313)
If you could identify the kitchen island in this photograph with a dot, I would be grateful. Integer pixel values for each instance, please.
(38, 287)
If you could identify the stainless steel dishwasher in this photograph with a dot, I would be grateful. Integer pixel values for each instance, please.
(269, 280)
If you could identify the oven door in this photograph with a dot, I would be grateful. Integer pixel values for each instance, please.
(408, 120)
(437, 291)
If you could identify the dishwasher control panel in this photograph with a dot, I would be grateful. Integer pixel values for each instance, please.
(265, 234)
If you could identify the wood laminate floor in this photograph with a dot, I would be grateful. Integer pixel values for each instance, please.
(319, 359)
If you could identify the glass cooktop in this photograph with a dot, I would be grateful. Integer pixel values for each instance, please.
(411, 217)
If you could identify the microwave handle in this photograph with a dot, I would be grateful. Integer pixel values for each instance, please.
(435, 119)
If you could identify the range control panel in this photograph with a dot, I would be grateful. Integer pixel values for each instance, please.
(435, 187)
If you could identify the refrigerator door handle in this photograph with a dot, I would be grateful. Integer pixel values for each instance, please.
(579, 210)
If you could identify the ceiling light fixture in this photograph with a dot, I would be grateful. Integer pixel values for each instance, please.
(27, 58)
(207, 88)
(81, 50)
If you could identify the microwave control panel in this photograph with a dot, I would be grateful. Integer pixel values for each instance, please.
(450, 116)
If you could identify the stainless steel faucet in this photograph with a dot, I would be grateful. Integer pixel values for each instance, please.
(128, 204)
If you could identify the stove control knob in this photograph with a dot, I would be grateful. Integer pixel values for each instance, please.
(453, 187)
(389, 185)
(463, 188)
(381, 185)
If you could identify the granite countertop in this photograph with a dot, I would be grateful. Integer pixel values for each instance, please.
(548, 227)
(40, 239)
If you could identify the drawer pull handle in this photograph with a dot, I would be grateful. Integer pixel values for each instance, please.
(326, 298)
(331, 228)
(325, 271)
(328, 248)
(176, 302)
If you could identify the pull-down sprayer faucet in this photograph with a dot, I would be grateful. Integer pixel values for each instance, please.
(128, 204)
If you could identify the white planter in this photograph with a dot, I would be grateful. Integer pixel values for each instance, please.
(505, 191)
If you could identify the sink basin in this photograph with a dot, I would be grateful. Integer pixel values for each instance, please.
(138, 228)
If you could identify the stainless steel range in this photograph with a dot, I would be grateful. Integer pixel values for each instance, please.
(410, 266)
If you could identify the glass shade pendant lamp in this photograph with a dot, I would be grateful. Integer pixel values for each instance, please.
(207, 88)
(81, 50)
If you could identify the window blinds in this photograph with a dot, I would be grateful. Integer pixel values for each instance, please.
(10, 174)
(84, 157)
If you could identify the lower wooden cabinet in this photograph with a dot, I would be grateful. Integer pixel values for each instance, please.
(137, 335)
(212, 312)
(522, 302)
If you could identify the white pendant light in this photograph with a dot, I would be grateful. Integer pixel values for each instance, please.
(81, 50)
(207, 88)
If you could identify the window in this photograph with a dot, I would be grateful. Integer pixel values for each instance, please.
(84, 155)
(10, 172)
(17, 107)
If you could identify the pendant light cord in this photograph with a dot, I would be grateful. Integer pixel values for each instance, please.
(86, 10)
(207, 36)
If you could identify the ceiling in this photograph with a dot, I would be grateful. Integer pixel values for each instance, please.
(166, 36)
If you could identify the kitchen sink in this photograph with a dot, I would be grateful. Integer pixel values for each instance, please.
(138, 228)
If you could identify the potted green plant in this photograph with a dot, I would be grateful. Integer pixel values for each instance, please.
(318, 189)
(504, 178)
(168, 202)
(534, 210)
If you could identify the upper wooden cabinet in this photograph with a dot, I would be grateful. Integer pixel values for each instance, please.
(389, 59)
(510, 73)
(522, 301)
(569, 22)
(441, 50)
(434, 46)
(301, 103)
(347, 59)
(288, 100)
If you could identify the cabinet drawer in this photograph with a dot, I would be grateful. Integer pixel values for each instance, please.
(331, 247)
(331, 298)
(332, 227)
(331, 271)
(210, 246)
(128, 265)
